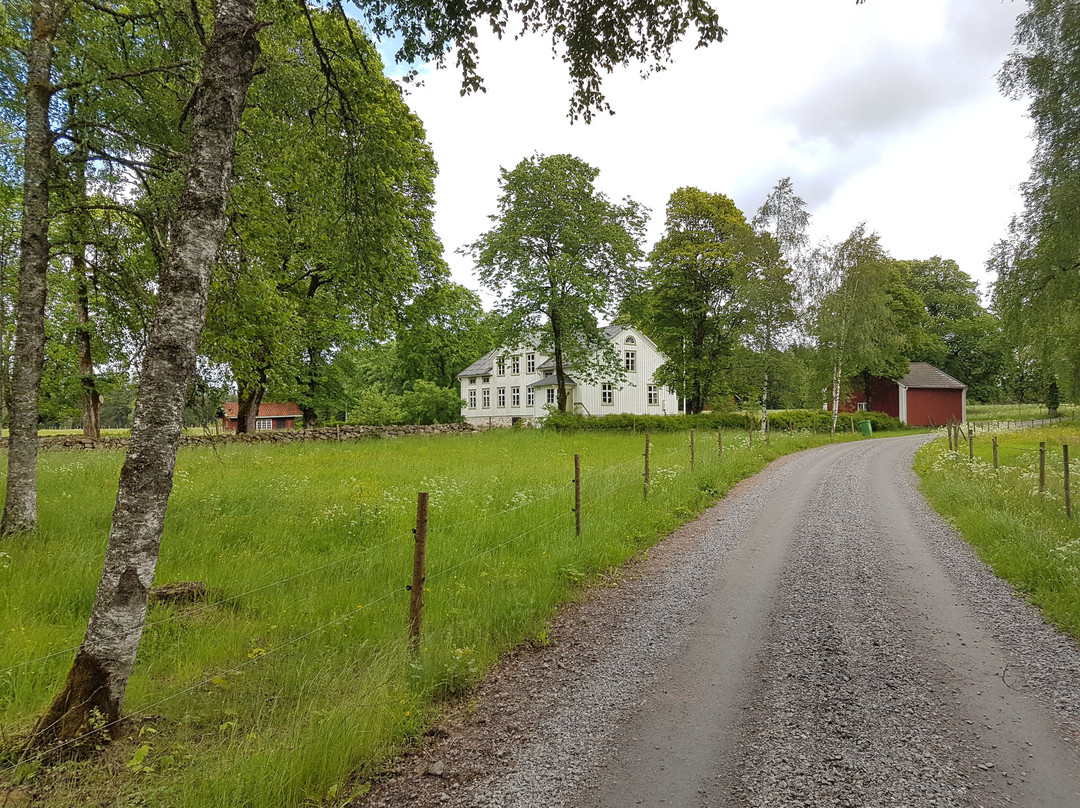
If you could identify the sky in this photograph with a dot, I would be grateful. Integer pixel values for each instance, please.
(886, 112)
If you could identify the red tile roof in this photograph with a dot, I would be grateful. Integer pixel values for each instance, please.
(266, 410)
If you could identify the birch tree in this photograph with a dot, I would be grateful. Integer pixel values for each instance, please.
(97, 681)
(855, 325)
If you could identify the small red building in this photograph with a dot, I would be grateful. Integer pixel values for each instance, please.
(271, 416)
(925, 396)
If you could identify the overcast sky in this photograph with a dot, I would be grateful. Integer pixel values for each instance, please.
(886, 112)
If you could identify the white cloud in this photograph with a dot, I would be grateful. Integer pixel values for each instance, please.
(884, 112)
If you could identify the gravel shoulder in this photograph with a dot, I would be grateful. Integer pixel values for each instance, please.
(819, 637)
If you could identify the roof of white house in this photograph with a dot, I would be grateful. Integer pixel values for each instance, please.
(551, 381)
(485, 365)
(921, 374)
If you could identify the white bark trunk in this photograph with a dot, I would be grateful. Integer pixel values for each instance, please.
(99, 676)
(20, 502)
(837, 371)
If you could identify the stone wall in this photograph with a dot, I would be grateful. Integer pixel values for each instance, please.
(324, 434)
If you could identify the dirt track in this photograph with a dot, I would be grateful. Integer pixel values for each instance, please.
(818, 638)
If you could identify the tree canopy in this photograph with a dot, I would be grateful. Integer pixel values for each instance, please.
(559, 255)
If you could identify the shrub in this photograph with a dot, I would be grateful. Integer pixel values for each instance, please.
(799, 420)
(565, 422)
(427, 403)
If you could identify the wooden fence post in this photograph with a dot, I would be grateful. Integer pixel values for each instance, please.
(646, 466)
(995, 454)
(1068, 495)
(768, 429)
(692, 458)
(416, 601)
(577, 493)
(1042, 466)
(948, 431)
(750, 432)
(971, 442)
(719, 441)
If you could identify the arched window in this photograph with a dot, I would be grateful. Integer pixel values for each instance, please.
(630, 340)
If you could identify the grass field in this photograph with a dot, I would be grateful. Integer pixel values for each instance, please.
(1015, 412)
(298, 673)
(1021, 533)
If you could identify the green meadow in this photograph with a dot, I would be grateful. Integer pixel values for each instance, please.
(296, 675)
(1021, 533)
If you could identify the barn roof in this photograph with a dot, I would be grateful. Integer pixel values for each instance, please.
(266, 410)
(923, 375)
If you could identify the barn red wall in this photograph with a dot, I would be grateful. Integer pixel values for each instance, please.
(885, 396)
(934, 407)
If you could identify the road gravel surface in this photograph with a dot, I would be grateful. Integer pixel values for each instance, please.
(819, 638)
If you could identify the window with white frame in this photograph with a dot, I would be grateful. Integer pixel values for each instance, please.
(515, 365)
(500, 397)
(607, 393)
(630, 340)
(486, 379)
(262, 424)
(500, 366)
(654, 395)
(630, 360)
(472, 380)
(530, 363)
(515, 396)
(551, 395)
(861, 406)
(486, 397)
(472, 399)
(530, 397)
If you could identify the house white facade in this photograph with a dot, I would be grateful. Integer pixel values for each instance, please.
(505, 386)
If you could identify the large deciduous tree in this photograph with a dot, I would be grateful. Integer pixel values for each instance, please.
(560, 254)
(698, 310)
(1038, 288)
(330, 224)
(96, 684)
(857, 326)
(772, 300)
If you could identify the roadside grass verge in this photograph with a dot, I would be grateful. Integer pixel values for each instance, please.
(297, 675)
(1023, 535)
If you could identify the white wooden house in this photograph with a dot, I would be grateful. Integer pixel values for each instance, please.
(504, 386)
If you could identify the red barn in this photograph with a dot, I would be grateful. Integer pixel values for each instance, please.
(271, 416)
(925, 396)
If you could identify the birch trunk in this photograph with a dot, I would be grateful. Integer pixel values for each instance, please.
(94, 691)
(764, 401)
(20, 502)
(837, 371)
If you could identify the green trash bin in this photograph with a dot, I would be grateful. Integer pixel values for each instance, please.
(866, 428)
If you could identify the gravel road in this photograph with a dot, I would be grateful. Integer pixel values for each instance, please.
(818, 638)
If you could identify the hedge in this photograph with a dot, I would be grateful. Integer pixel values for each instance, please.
(807, 420)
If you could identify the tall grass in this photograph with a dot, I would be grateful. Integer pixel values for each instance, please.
(1022, 534)
(297, 671)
